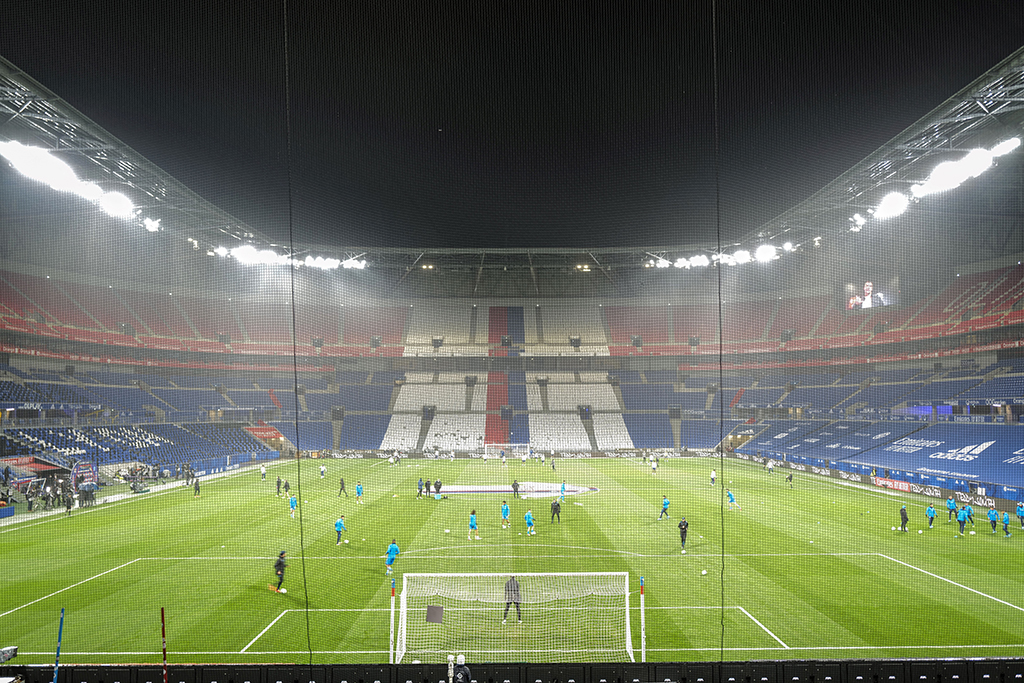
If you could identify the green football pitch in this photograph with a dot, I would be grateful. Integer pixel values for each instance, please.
(809, 572)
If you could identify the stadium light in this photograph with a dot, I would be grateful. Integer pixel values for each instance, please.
(353, 263)
(700, 261)
(892, 205)
(152, 225)
(765, 253)
(1005, 147)
(788, 246)
(221, 251)
(116, 205)
(662, 263)
(741, 256)
(322, 263)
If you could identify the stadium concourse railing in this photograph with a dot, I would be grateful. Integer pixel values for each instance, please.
(804, 671)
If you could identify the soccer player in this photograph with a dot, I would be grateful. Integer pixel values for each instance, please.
(342, 489)
(1006, 524)
(287, 487)
(472, 526)
(263, 472)
(732, 500)
(529, 523)
(904, 518)
(562, 497)
(359, 492)
(970, 514)
(713, 475)
(951, 507)
(419, 488)
(789, 478)
(504, 515)
(993, 517)
(664, 508)
(279, 566)
(684, 526)
(293, 503)
(1020, 514)
(556, 511)
(278, 486)
(654, 466)
(512, 597)
(961, 516)
(339, 526)
(390, 555)
(930, 514)
(515, 488)
(552, 462)
(195, 487)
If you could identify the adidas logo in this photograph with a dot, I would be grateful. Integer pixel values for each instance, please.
(965, 454)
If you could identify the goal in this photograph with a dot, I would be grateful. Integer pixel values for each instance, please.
(566, 617)
(512, 450)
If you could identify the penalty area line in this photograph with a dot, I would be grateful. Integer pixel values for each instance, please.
(958, 585)
(763, 627)
(260, 634)
(67, 588)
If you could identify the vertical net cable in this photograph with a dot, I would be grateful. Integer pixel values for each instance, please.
(295, 351)
(721, 342)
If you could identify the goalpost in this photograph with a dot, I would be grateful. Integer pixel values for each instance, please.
(512, 450)
(566, 617)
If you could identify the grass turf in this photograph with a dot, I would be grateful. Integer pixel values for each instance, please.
(809, 572)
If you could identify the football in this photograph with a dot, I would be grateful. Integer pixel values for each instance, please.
(920, 531)
(894, 528)
(283, 590)
(703, 572)
(346, 540)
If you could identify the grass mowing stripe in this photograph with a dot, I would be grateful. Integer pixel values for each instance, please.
(67, 588)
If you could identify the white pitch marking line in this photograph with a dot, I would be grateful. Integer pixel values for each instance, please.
(751, 617)
(958, 585)
(260, 634)
(67, 588)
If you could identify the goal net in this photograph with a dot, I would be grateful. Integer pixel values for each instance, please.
(564, 617)
(512, 450)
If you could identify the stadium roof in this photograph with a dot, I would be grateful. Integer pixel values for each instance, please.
(987, 111)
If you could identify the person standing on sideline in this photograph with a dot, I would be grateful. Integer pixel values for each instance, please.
(713, 475)
(904, 518)
(529, 523)
(930, 514)
(437, 486)
(556, 511)
(732, 500)
(339, 526)
(69, 502)
(1006, 524)
(993, 517)
(473, 530)
(359, 492)
(664, 508)
(515, 488)
(390, 555)
(460, 674)
(195, 487)
(951, 506)
(419, 488)
(263, 472)
(278, 494)
(684, 526)
(279, 567)
(293, 503)
(1020, 514)
(342, 489)
(961, 516)
(512, 597)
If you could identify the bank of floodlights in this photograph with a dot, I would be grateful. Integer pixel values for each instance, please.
(39, 165)
(251, 256)
(945, 176)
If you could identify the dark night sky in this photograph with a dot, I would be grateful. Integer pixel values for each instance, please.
(506, 124)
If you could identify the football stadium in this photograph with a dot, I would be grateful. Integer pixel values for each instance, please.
(794, 455)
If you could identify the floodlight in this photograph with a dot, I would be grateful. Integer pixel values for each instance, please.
(681, 262)
(322, 263)
(700, 260)
(1005, 147)
(116, 204)
(741, 256)
(249, 255)
(152, 225)
(221, 251)
(662, 263)
(892, 204)
(353, 263)
(765, 253)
